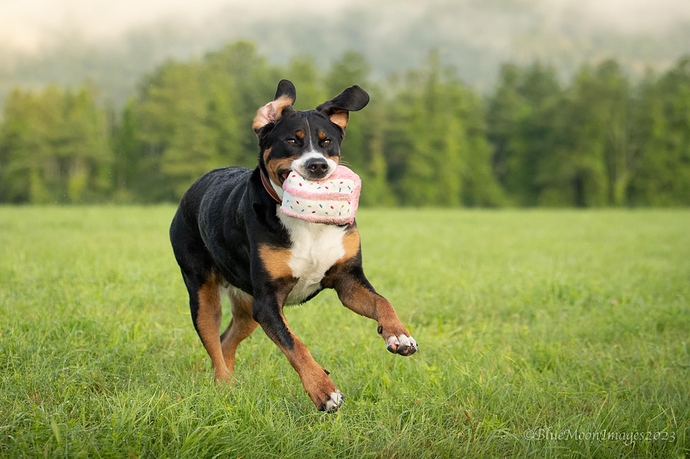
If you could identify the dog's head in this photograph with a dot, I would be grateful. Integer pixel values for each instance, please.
(305, 141)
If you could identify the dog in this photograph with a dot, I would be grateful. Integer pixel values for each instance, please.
(229, 237)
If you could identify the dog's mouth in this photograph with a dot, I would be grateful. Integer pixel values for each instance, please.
(283, 175)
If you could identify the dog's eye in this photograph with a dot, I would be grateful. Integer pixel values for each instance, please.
(291, 141)
(326, 142)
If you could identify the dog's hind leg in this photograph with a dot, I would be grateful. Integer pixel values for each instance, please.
(241, 326)
(206, 314)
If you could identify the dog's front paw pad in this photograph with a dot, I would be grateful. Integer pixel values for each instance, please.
(403, 345)
(334, 402)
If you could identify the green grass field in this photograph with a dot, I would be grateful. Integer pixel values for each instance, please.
(542, 334)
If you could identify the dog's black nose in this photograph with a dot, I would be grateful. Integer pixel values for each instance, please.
(317, 166)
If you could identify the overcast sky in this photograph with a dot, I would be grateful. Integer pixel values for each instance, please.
(26, 24)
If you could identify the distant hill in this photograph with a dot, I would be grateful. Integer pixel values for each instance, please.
(473, 36)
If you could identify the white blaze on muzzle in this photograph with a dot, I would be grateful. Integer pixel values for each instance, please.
(301, 165)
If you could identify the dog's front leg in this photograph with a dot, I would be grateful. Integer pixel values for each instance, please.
(268, 312)
(358, 295)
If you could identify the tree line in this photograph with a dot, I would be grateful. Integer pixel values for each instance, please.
(426, 139)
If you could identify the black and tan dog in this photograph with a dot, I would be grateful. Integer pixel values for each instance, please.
(229, 236)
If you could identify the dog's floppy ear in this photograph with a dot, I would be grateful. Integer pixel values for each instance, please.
(270, 113)
(338, 109)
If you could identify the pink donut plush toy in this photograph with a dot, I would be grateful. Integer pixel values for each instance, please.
(333, 200)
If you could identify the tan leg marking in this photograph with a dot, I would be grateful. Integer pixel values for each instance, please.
(208, 324)
(363, 301)
(369, 304)
(315, 380)
(241, 326)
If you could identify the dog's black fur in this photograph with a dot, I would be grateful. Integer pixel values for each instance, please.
(228, 235)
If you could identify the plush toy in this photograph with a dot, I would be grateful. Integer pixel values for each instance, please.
(333, 200)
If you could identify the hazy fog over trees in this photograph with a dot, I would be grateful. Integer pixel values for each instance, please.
(476, 37)
(505, 102)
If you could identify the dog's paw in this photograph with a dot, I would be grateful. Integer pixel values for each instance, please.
(329, 402)
(333, 402)
(401, 344)
(322, 391)
(223, 376)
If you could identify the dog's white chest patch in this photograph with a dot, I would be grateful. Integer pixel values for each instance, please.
(315, 248)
